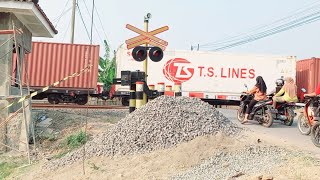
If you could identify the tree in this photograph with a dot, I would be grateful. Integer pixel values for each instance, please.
(107, 68)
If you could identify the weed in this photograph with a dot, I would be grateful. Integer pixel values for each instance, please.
(94, 166)
(75, 141)
(60, 155)
(6, 169)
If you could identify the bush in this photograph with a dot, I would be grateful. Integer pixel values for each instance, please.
(75, 141)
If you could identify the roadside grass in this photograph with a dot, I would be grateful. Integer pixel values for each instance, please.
(70, 143)
(6, 169)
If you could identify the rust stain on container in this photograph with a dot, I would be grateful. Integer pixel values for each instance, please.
(308, 74)
(51, 62)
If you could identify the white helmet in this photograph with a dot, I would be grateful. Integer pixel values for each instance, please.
(279, 82)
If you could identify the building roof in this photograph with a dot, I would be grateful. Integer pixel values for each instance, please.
(30, 14)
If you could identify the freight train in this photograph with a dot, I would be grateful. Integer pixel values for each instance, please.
(51, 62)
(215, 77)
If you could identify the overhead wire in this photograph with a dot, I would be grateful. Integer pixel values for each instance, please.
(64, 11)
(84, 24)
(93, 23)
(104, 31)
(285, 22)
(271, 32)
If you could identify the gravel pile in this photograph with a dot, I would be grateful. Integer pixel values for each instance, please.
(162, 123)
(252, 160)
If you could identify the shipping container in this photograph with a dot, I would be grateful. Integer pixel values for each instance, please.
(210, 76)
(50, 62)
(308, 75)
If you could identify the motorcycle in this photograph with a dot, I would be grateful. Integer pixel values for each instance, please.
(315, 134)
(284, 112)
(261, 111)
(308, 118)
(264, 113)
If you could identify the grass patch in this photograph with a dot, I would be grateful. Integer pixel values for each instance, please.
(6, 169)
(76, 140)
(70, 143)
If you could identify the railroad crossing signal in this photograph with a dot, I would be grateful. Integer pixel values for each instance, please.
(139, 53)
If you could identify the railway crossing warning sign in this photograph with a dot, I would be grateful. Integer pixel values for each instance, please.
(139, 52)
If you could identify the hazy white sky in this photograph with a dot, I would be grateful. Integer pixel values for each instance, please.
(190, 22)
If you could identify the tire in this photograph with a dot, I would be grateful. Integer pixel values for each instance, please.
(267, 119)
(240, 115)
(315, 134)
(125, 101)
(82, 100)
(303, 125)
(290, 119)
(53, 99)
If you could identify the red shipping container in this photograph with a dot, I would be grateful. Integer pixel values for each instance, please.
(308, 75)
(51, 62)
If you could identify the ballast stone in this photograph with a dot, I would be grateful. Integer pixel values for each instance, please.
(162, 123)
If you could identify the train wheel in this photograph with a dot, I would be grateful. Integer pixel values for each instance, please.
(82, 100)
(53, 99)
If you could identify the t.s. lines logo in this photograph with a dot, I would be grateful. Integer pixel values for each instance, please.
(178, 70)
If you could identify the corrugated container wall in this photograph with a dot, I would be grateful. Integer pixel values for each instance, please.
(51, 62)
(308, 74)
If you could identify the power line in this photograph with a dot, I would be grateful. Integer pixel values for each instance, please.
(266, 33)
(286, 23)
(63, 12)
(83, 22)
(93, 23)
(104, 31)
(283, 20)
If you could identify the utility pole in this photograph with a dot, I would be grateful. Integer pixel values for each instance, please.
(74, 4)
(145, 62)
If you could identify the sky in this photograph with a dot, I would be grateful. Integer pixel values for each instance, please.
(190, 22)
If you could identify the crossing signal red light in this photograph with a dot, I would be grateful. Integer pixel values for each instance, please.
(139, 53)
(156, 54)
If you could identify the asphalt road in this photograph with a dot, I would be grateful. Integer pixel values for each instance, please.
(288, 134)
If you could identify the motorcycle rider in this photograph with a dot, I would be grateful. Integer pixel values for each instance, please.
(288, 93)
(315, 93)
(259, 91)
(279, 84)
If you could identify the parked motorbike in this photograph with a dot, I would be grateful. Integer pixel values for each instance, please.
(260, 112)
(310, 115)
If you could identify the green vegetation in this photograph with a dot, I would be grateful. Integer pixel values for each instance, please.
(75, 141)
(107, 68)
(6, 169)
(70, 143)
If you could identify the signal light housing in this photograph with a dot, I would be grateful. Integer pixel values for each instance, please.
(139, 53)
(156, 54)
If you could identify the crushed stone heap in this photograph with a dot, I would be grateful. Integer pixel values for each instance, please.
(162, 123)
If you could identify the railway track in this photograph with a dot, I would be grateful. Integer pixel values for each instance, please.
(74, 106)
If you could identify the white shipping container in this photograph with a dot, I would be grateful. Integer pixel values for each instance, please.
(210, 75)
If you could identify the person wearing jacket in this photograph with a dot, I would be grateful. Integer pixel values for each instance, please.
(315, 93)
(288, 93)
(259, 91)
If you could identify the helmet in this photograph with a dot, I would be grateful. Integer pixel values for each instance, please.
(279, 82)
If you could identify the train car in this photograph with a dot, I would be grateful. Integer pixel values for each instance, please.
(215, 77)
(308, 75)
(50, 62)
